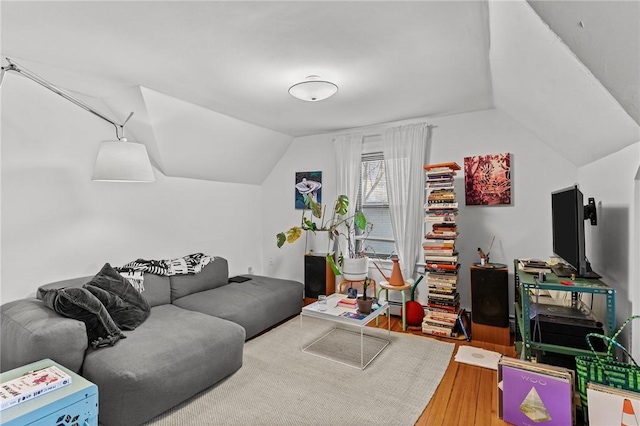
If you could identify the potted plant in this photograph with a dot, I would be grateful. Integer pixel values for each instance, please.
(332, 226)
(364, 302)
(355, 265)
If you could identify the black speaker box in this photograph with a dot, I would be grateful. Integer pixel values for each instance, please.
(490, 296)
(318, 277)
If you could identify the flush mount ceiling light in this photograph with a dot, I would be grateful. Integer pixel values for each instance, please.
(117, 161)
(313, 89)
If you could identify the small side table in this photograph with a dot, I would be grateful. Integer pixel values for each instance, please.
(360, 282)
(384, 285)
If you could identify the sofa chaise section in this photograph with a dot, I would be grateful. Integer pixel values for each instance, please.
(173, 355)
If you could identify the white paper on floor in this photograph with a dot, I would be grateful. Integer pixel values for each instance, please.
(478, 356)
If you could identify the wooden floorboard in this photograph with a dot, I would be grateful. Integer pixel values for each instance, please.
(466, 394)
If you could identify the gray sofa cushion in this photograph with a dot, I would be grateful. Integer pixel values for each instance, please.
(157, 289)
(215, 274)
(170, 357)
(31, 331)
(257, 304)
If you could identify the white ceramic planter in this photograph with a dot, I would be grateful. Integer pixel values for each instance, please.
(318, 243)
(355, 269)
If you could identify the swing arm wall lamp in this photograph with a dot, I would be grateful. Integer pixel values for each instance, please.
(117, 161)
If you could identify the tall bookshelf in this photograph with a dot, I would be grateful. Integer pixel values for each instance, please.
(440, 253)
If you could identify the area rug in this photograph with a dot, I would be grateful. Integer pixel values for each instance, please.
(280, 385)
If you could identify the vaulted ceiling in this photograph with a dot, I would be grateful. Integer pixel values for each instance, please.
(219, 70)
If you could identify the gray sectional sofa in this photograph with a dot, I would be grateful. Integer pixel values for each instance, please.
(192, 339)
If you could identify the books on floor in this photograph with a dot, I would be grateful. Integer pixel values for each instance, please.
(31, 385)
(533, 393)
(609, 405)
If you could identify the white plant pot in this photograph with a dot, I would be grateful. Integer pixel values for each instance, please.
(318, 243)
(355, 269)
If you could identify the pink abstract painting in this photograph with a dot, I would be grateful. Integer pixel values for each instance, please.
(487, 179)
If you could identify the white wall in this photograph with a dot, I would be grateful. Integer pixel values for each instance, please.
(57, 223)
(612, 245)
(522, 229)
(305, 154)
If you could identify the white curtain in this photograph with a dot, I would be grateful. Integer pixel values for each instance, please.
(348, 159)
(404, 149)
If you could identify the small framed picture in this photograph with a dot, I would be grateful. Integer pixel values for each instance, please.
(308, 186)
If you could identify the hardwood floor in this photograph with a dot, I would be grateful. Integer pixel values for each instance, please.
(467, 395)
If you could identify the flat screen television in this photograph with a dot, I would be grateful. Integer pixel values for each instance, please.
(568, 213)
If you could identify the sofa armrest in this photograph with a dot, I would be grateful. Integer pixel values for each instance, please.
(31, 332)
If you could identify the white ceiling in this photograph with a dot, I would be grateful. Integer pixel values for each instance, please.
(392, 60)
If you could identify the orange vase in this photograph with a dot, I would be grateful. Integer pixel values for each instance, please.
(396, 274)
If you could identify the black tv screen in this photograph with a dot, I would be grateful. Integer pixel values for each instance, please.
(568, 213)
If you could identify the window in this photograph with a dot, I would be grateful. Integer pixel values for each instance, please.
(374, 203)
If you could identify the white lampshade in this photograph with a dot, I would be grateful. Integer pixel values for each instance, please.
(313, 89)
(122, 161)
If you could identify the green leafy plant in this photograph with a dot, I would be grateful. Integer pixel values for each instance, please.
(329, 224)
(365, 285)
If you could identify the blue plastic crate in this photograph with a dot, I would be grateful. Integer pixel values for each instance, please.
(72, 405)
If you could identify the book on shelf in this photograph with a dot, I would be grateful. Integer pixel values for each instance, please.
(446, 184)
(439, 175)
(440, 218)
(442, 279)
(607, 405)
(439, 182)
(440, 252)
(442, 206)
(450, 165)
(451, 235)
(436, 312)
(442, 290)
(440, 321)
(32, 385)
(531, 393)
(436, 196)
(433, 267)
(438, 331)
(438, 244)
(443, 298)
(432, 258)
(451, 308)
(443, 275)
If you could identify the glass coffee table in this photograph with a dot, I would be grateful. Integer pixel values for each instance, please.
(340, 344)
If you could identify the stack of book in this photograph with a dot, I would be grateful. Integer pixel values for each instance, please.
(348, 303)
(440, 254)
(531, 393)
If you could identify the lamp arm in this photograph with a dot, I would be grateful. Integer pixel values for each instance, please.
(14, 67)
